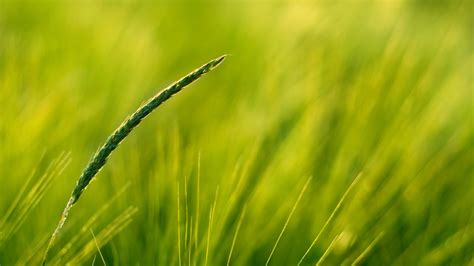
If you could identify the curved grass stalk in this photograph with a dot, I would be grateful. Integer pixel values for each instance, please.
(101, 156)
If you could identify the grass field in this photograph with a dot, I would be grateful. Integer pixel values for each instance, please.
(335, 132)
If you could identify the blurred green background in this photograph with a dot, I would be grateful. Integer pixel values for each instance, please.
(327, 89)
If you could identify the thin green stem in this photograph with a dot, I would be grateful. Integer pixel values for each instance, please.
(101, 156)
(331, 217)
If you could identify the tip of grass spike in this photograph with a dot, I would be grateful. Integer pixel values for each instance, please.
(218, 60)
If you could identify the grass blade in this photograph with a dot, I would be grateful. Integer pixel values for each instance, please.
(328, 250)
(328, 221)
(367, 250)
(235, 235)
(288, 219)
(98, 248)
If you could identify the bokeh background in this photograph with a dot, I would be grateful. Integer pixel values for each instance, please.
(312, 90)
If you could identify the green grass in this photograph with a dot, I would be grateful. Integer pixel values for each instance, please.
(100, 157)
(329, 90)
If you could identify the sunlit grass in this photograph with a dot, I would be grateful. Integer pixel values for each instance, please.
(322, 90)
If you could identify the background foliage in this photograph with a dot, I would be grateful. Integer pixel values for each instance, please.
(327, 89)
